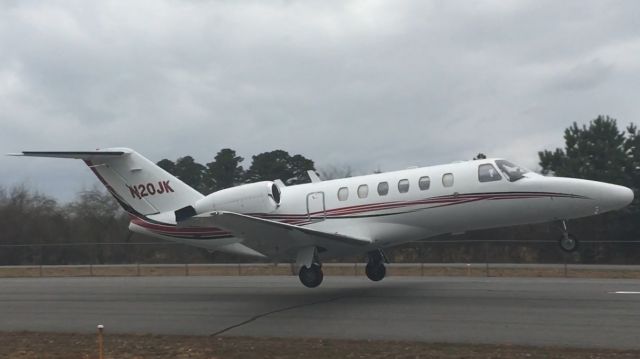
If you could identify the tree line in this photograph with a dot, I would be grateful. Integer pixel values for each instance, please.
(226, 169)
(97, 228)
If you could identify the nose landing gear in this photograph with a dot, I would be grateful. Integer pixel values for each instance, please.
(568, 242)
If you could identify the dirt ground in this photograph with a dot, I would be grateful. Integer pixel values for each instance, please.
(27, 345)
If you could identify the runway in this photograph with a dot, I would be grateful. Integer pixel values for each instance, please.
(530, 311)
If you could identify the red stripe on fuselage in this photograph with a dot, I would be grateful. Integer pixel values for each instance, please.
(303, 219)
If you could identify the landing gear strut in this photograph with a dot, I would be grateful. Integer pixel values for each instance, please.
(568, 242)
(375, 268)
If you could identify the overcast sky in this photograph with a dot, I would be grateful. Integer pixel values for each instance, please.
(369, 84)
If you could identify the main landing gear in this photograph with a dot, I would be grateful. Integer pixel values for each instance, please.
(310, 272)
(568, 242)
(311, 277)
(375, 268)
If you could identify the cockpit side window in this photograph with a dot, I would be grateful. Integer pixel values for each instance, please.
(488, 173)
(513, 172)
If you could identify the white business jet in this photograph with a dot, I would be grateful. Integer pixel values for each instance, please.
(321, 220)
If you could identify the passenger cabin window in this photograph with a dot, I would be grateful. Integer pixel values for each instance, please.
(403, 186)
(383, 188)
(488, 173)
(363, 191)
(424, 183)
(447, 179)
(343, 193)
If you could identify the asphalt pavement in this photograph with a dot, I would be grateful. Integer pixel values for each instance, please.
(571, 312)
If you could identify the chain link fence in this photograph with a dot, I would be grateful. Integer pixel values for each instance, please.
(437, 251)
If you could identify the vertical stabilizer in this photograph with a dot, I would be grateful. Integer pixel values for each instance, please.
(139, 185)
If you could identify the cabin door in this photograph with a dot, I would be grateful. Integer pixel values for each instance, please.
(316, 210)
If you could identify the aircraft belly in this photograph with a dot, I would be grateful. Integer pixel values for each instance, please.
(490, 214)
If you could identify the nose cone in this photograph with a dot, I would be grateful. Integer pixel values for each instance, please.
(587, 197)
(623, 196)
(615, 197)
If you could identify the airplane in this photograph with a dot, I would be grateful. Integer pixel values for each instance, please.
(321, 220)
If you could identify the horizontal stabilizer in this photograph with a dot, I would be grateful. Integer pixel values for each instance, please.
(81, 155)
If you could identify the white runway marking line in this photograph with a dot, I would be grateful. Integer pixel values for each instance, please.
(624, 292)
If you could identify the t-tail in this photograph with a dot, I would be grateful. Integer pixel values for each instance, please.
(139, 185)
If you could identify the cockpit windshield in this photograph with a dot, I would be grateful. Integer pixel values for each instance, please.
(511, 171)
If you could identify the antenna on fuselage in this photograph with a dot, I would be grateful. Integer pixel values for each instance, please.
(313, 176)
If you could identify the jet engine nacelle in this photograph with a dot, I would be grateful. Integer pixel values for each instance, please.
(259, 197)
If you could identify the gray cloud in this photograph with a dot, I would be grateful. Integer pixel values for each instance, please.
(362, 83)
(584, 76)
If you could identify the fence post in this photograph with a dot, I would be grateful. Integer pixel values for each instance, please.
(41, 259)
(100, 341)
(486, 257)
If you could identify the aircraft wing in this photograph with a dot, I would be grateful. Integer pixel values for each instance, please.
(268, 236)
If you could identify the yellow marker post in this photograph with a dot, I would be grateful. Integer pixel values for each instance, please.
(100, 341)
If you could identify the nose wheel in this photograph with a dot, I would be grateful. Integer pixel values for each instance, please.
(568, 242)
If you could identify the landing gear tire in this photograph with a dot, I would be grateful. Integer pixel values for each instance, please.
(568, 243)
(311, 277)
(376, 272)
